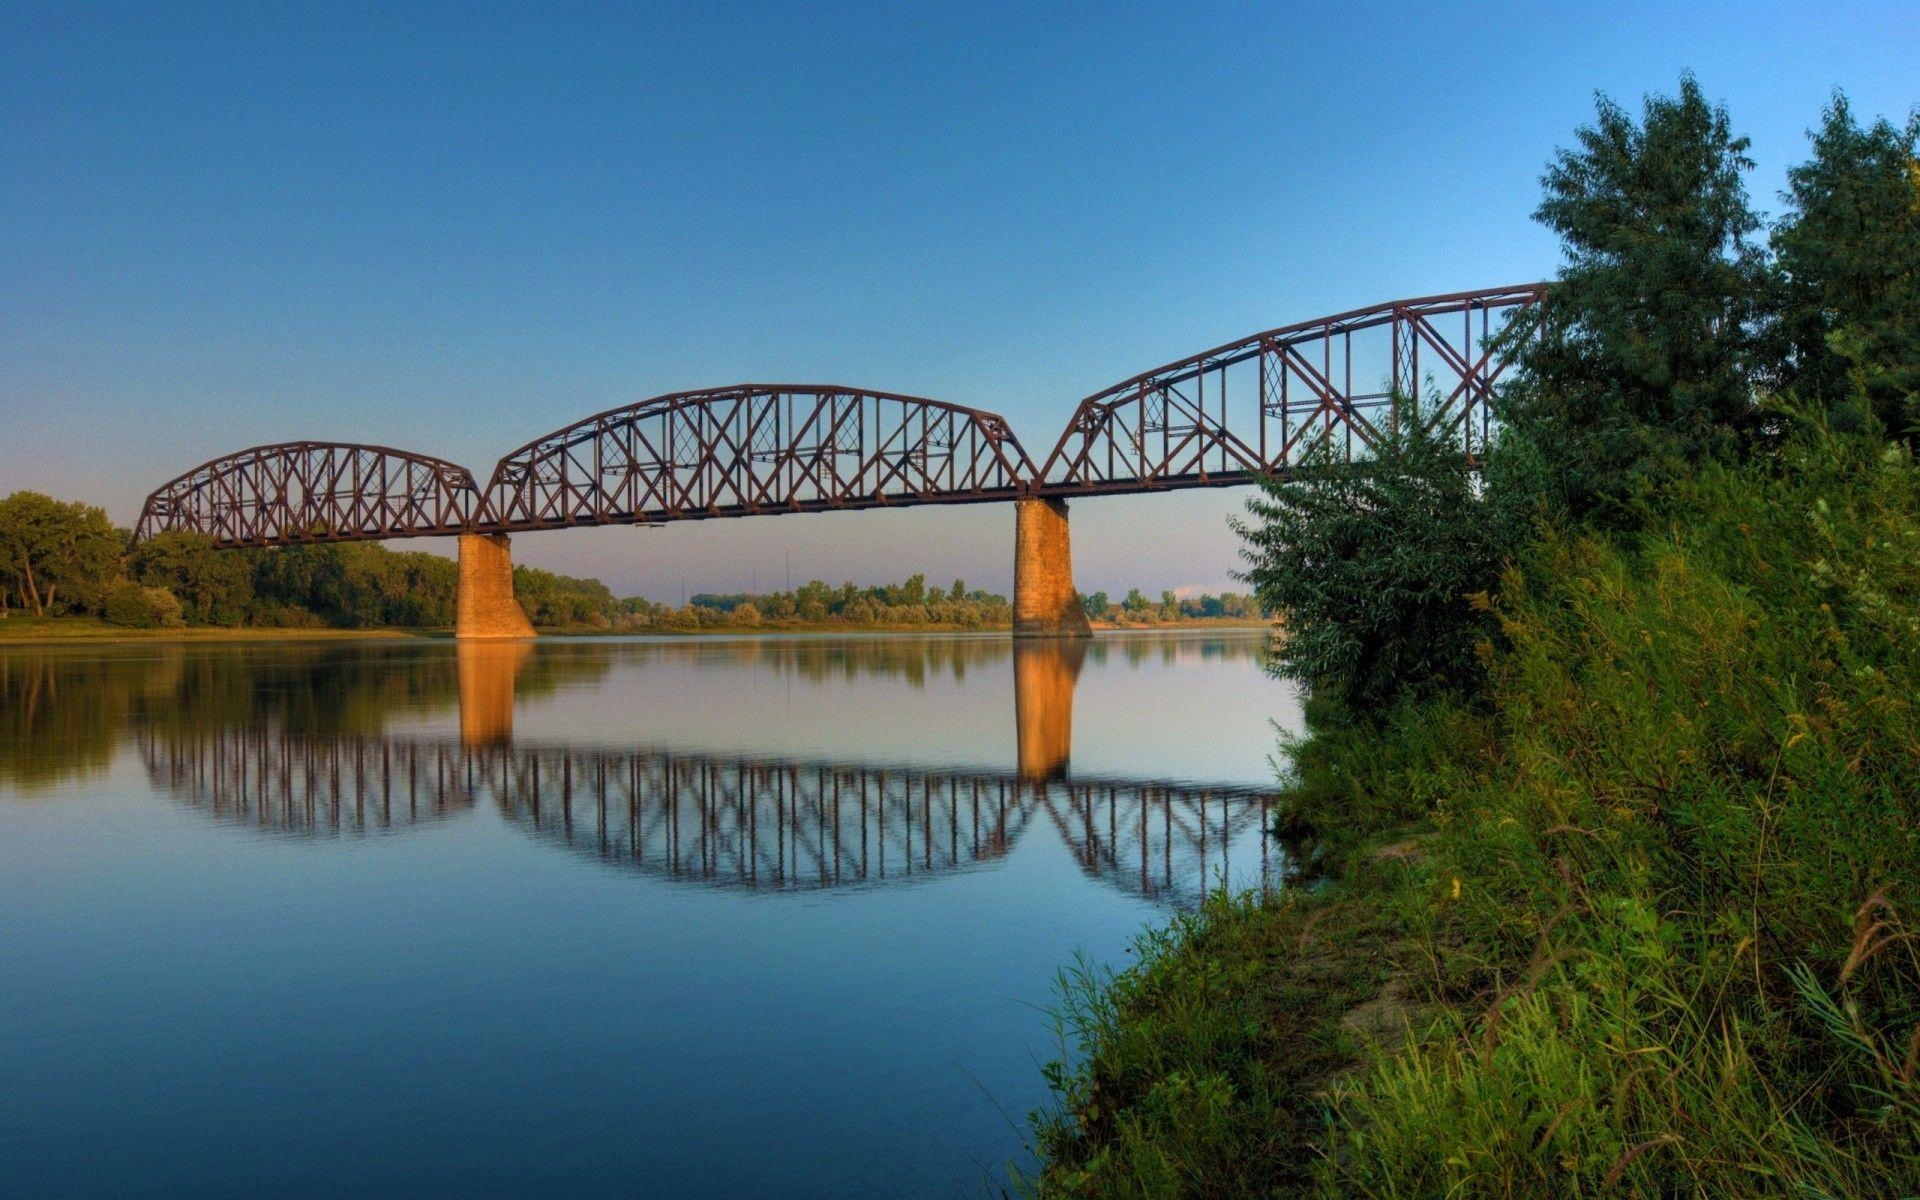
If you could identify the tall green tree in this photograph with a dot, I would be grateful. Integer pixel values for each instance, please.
(1848, 255)
(1643, 358)
(57, 556)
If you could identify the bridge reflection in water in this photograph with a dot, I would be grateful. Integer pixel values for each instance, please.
(778, 825)
(767, 824)
(291, 783)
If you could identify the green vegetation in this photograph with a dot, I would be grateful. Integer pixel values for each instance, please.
(1374, 568)
(910, 605)
(1136, 610)
(67, 561)
(1623, 902)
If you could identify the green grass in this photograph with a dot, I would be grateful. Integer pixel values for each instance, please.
(1203, 1069)
(20, 629)
(1659, 931)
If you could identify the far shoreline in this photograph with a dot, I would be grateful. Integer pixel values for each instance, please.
(18, 630)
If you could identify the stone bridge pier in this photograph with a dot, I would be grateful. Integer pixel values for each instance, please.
(485, 607)
(1045, 604)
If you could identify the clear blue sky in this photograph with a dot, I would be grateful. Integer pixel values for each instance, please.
(453, 232)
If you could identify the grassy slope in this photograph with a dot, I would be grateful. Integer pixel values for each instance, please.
(1655, 939)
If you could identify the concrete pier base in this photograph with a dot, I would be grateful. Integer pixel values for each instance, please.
(485, 607)
(1044, 601)
(1044, 675)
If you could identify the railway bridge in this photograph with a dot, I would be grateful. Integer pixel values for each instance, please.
(1225, 417)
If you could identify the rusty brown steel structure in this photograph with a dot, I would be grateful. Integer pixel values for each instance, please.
(755, 449)
(299, 492)
(1259, 405)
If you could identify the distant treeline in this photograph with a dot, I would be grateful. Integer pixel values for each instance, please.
(913, 602)
(66, 559)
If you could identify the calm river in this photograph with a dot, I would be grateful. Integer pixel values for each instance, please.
(659, 917)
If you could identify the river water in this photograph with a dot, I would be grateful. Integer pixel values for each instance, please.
(656, 917)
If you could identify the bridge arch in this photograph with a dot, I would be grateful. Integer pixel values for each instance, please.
(292, 493)
(1257, 405)
(752, 449)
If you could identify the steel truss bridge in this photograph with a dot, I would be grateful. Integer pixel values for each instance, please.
(751, 823)
(1253, 407)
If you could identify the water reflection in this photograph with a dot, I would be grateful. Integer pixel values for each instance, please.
(728, 822)
(792, 826)
(800, 899)
(297, 741)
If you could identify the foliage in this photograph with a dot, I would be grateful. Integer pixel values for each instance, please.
(1658, 889)
(54, 556)
(1674, 910)
(1642, 361)
(136, 606)
(1350, 778)
(215, 587)
(1849, 261)
(1657, 870)
(1372, 568)
(354, 585)
(909, 603)
(563, 602)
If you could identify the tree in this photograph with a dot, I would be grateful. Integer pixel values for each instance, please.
(1096, 604)
(1372, 568)
(1642, 360)
(1135, 602)
(1849, 262)
(214, 587)
(54, 553)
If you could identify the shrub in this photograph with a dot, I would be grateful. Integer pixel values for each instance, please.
(1372, 568)
(137, 607)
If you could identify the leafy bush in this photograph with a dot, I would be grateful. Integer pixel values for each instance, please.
(137, 607)
(1372, 568)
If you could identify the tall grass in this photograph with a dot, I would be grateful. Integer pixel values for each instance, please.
(1656, 914)
(1677, 955)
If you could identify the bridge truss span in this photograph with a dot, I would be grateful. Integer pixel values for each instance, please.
(756, 449)
(301, 492)
(1262, 404)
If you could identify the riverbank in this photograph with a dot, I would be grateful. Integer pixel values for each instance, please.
(22, 630)
(28, 631)
(1635, 920)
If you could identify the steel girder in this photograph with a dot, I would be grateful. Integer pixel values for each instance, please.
(1259, 405)
(300, 492)
(754, 449)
